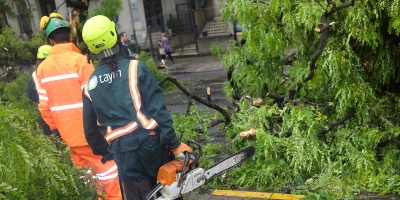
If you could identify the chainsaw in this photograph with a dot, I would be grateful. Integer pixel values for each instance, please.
(179, 177)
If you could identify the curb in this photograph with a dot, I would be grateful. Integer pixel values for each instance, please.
(187, 55)
(258, 195)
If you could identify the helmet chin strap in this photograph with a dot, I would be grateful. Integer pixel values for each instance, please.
(107, 52)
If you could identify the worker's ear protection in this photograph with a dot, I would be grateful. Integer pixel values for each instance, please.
(44, 21)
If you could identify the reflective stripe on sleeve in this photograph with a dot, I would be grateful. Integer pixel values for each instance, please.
(113, 168)
(66, 107)
(109, 174)
(151, 125)
(42, 91)
(113, 134)
(102, 178)
(86, 92)
(61, 77)
(133, 80)
(35, 81)
(41, 97)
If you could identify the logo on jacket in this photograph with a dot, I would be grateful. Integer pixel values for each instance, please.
(108, 78)
(92, 83)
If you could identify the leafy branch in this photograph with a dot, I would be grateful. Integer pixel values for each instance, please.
(323, 27)
(200, 100)
(389, 137)
(350, 114)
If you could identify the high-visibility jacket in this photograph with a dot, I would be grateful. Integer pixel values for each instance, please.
(60, 79)
(127, 104)
(32, 88)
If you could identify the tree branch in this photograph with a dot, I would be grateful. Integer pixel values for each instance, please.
(387, 139)
(200, 100)
(349, 115)
(277, 97)
(323, 30)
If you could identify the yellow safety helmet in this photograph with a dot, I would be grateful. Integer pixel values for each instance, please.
(43, 51)
(99, 34)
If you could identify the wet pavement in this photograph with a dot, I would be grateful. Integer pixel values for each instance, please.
(196, 74)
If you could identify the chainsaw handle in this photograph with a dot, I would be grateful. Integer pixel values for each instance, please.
(185, 165)
(154, 191)
(196, 147)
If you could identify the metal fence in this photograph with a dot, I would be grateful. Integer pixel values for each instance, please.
(183, 27)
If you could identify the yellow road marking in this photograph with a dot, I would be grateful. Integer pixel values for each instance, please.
(260, 195)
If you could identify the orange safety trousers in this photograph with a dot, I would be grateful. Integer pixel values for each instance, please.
(106, 174)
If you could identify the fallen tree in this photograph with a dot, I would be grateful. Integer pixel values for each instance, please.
(328, 126)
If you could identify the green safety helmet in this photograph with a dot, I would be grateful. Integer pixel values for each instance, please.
(43, 51)
(52, 23)
(99, 34)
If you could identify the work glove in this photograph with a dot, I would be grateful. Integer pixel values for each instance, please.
(178, 152)
(106, 158)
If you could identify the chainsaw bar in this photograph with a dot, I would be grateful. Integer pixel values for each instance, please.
(230, 162)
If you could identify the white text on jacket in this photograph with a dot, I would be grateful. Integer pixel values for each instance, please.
(108, 78)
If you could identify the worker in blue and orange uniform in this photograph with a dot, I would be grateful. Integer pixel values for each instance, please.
(42, 53)
(124, 98)
(61, 77)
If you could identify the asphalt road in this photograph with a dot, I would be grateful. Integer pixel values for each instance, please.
(196, 74)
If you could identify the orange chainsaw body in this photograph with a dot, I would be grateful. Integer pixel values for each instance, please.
(167, 173)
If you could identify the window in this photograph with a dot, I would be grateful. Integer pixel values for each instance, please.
(47, 7)
(24, 21)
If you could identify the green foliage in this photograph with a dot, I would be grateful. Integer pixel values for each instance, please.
(31, 166)
(191, 126)
(16, 93)
(15, 52)
(146, 58)
(34, 166)
(133, 47)
(6, 6)
(108, 8)
(8, 192)
(330, 140)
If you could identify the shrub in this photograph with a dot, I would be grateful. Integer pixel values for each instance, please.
(175, 25)
(31, 166)
(15, 52)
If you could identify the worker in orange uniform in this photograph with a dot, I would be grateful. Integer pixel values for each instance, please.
(61, 77)
(123, 96)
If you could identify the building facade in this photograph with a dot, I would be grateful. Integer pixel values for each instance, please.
(184, 21)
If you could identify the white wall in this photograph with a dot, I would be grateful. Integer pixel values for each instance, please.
(125, 20)
(62, 9)
(180, 2)
(13, 21)
(168, 6)
(126, 17)
(217, 3)
(136, 17)
(35, 18)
